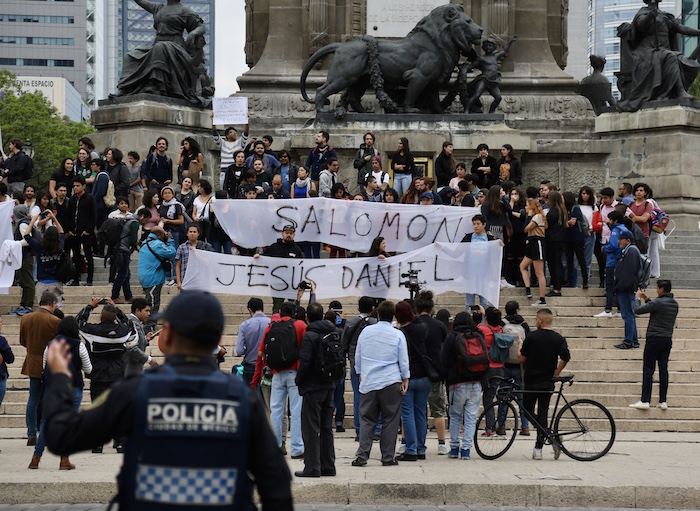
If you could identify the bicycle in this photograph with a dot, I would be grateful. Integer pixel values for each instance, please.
(583, 429)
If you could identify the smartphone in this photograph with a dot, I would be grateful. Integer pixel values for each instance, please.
(103, 301)
(474, 308)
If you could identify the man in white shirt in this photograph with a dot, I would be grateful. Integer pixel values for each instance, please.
(381, 361)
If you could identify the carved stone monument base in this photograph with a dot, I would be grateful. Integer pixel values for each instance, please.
(658, 146)
(136, 124)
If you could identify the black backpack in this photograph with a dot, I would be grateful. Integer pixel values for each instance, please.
(281, 346)
(332, 357)
(472, 356)
(110, 232)
(28, 170)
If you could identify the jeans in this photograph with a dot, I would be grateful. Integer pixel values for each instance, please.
(339, 401)
(464, 405)
(471, 300)
(609, 285)
(626, 300)
(283, 385)
(402, 182)
(123, 277)
(653, 253)
(176, 238)
(248, 372)
(414, 414)
(490, 394)
(36, 390)
(656, 349)
(515, 373)
(3, 389)
(41, 441)
(588, 246)
(217, 245)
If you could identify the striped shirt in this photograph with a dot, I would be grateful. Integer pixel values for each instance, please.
(228, 148)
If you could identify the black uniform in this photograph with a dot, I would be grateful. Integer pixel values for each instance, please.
(68, 432)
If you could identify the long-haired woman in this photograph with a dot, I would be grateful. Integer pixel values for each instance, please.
(515, 251)
(575, 239)
(445, 165)
(190, 154)
(497, 212)
(587, 205)
(535, 251)
(509, 168)
(48, 253)
(403, 167)
(412, 195)
(557, 224)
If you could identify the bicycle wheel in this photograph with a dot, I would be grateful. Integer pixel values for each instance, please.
(491, 445)
(585, 429)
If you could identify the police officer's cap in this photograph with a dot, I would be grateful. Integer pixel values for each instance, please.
(197, 315)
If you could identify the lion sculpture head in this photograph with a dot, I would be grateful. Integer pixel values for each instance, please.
(450, 27)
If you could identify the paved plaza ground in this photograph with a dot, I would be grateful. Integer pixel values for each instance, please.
(643, 470)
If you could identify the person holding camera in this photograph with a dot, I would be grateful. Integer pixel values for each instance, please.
(155, 261)
(106, 345)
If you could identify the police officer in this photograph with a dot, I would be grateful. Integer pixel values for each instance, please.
(193, 433)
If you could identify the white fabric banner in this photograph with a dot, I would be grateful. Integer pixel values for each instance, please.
(7, 272)
(347, 224)
(461, 267)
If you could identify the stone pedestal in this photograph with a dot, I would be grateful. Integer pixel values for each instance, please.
(134, 124)
(661, 147)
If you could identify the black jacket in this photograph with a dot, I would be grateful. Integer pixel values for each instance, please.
(449, 355)
(82, 214)
(416, 338)
(119, 174)
(626, 270)
(308, 379)
(437, 331)
(14, 167)
(351, 333)
(443, 172)
(68, 431)
(663, 311)
(105, 345)
(281, 249)
(485, 180)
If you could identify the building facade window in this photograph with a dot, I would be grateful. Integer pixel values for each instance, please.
(44, 41)
(28, 18)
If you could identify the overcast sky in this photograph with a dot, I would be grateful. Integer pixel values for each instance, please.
(229, 42)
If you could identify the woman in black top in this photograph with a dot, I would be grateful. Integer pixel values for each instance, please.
(415, 402)
(190, 153)
(575, 238)
(64, 175)
(445, 166)
(497, 212)
(515, 250)
(403, 167)
(555, 238)
(509, 168)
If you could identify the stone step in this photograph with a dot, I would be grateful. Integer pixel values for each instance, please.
(632, 376)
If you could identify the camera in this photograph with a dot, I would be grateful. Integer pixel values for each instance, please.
(411, 283)
(103, 301)
(304, 285)
(44, 214)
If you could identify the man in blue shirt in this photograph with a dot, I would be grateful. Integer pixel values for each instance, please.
(381, 362)
(250, 333)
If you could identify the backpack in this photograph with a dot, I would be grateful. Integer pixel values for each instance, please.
(500, 347)
(28, 170)
(332, 359)
(644, 271)
(110, 232)
(659, 219)
(281, 346)
(517, 331)
(109, 199)
(472, 361)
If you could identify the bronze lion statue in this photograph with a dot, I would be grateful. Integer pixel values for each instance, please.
(421, 62)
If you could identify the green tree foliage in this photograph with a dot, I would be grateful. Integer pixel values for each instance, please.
(695, 88)
(31, 116)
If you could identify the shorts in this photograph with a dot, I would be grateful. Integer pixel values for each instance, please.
(437, 400)
(534, 249)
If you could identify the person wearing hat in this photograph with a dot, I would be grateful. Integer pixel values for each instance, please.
(286, 248)
(185, 402)
(426, 198)
(626, 285)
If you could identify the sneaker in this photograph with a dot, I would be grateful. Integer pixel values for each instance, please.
(464, 454)
(617, 315)
(585, 285)
(170, 282)
(454, 453)
(339, 429)
(420, 456)
(359, 462)
(407, 457)
(662, 405)
(88, 284)
(298, 456)
(391, 463)
(97, 450)
(488, 433)
(604, 314)
(25, 310)
(624, 346)
(640, 405)
(525, 432)
(506, 285)
(442, 449)
(357, 438)
(553, 294)
(16, 311)
(528, 292)
(539, 303)
(536, 454)
(283, 449)
(400, 449)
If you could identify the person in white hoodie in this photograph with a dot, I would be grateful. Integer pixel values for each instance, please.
(328, 177)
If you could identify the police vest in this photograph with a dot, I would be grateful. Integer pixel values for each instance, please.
(189, 447)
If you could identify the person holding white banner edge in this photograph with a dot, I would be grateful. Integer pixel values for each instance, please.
(229, 145)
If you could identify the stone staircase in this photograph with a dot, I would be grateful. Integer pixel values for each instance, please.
(602, 372)
(679, 261)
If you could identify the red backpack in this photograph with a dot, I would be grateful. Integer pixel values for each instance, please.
(472, 356)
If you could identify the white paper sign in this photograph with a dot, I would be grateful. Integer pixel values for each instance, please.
(347, 224)
(461, 267)
(232, 110)
(7, 274)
